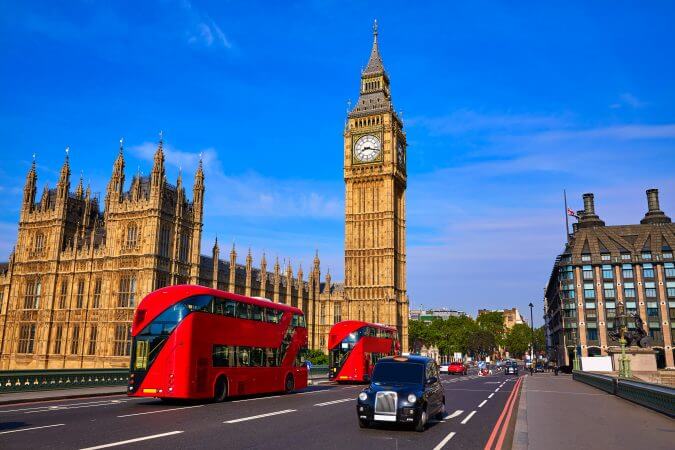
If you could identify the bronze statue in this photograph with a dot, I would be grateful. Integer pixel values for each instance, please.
(637, 336)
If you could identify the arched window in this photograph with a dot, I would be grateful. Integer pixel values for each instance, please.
(132, 236)
(127, 292)
(39, 242)
(32, 297)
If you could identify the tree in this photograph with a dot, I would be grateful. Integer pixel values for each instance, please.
(317, 357)
(540, 339)
(518, 340)
(481, 343)
(493, 322)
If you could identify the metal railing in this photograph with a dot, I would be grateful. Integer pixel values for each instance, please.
(654, 396)
(40, 380)
(604, 382)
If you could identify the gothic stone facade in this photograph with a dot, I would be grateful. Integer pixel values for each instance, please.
(375, 221)
(604, 269)
(68, 292)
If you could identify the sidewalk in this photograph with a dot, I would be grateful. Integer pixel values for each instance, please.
(560, 413)
(59, 394)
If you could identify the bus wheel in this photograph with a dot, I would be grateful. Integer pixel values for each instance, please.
(220, 392)
(290, 384)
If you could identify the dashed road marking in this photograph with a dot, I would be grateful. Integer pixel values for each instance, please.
(32, 428)
(260, 416)
(335, 401)
(445, 440)
(482, 403)
(459, 412)
(497, 390)
(467, 418)
(130, 441)
(490, 396)
(160, 411)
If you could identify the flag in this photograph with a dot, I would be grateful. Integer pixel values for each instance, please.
(570, 212)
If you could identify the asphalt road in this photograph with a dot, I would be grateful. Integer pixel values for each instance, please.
(321, 416)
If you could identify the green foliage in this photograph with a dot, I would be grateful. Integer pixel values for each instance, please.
(493, 322)
(518, 340)
(317, 357)
(540, 339)
(481, 342)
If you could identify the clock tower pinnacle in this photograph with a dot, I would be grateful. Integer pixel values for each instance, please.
(375, 184)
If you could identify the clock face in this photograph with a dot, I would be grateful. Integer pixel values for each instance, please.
(401, 154)
(367, 148)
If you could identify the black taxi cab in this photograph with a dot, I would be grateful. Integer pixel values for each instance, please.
(403, 389)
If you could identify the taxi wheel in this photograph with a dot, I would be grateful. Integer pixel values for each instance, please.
(421, 423)
(364, 423)
(440, 415)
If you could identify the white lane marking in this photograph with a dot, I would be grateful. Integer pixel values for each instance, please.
(260, 416)
(130, 441)
(66, 405)
(490, 396)
(497, 390)
(453, 415)
(62, 408)
(467, 418)
(335, 401)
(252, 399)
(444, 441)
(32, 428)
(161, 411)
(482, 403)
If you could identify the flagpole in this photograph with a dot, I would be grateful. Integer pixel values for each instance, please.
(567, 220)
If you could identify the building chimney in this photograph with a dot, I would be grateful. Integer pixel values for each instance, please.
(588, 218)
(654, 213)
(589, 205)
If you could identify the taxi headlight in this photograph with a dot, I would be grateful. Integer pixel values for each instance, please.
(412, 398)
(363, 396)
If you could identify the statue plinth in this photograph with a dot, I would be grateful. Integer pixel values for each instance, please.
(641, 359)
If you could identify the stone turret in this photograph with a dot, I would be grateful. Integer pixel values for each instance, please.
(588, 218)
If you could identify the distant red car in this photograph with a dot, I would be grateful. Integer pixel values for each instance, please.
(457, 368)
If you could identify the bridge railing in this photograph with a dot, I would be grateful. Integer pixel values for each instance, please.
(655, 396)
(39, 380)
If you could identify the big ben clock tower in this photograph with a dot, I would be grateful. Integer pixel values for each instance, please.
(375, 183)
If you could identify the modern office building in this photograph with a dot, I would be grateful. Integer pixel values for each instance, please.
(428, 315)
(605, 268)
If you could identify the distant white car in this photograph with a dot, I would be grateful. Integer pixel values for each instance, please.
(443, 368)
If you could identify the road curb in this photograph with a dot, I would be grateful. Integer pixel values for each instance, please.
(520, 436)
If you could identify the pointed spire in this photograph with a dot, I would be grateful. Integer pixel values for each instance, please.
(118, 166)
(316, 259)
(79, 189)
(65, 169)
(158, 165)
(263, 261)
(31, 186)
(88, 191)
(233, 252)
(216, 249)
(375, 61)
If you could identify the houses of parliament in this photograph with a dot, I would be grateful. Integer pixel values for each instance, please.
(81, 265)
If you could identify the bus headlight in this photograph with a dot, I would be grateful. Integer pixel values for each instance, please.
(363, 396)
(412, 398)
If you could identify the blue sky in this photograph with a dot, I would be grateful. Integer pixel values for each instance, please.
(505, 105)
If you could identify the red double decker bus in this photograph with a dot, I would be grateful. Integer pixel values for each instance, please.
(354, 347)
(192, 342)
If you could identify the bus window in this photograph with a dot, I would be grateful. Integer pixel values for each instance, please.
(298, 321)
(223, 356)
(301, 357)
(230, 308)
(256, 312)
(203, 303)
(244, 356)
(141, 362)
(271, 357)
(257, 357)
(273, 315)
(244, 311)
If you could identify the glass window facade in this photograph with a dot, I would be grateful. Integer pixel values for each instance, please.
(607, 272)
(650, 289)
(589, 291)
(588, 272)
(629, 290)
(608, 290)
(627, 271)
(648, 270)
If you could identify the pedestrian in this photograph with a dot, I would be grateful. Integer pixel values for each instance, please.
(531, 369)
(555, 369)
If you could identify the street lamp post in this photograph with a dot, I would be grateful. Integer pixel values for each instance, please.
(531, 334)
